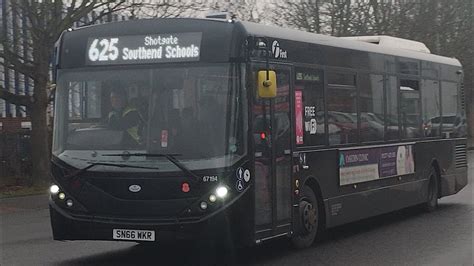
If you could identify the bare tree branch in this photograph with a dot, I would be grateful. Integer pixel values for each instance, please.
(12, 61)
(13, 98)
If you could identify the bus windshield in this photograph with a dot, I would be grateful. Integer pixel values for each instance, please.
(194, 112)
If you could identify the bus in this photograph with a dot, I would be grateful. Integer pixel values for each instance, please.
(246, 130)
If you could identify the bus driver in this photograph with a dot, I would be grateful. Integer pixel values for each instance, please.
(124, 117)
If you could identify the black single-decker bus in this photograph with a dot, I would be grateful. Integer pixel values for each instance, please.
(251, 130)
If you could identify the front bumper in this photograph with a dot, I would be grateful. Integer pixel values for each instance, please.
(69, 226)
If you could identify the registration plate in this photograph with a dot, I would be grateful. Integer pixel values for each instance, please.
(139, 235)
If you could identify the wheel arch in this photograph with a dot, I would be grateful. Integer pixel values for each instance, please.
(313, 183)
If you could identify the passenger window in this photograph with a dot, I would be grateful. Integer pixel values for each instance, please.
(390, 64)
(309, 82)
(431, 108)
(452, 122)
(391, 117)
(449, 72)
(407, 66)
(429, 69)
(410, 110)
(341, 79)
(371, 107)
(342, 109)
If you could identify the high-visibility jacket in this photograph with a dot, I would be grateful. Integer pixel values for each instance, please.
(132, 131)
(130, 125)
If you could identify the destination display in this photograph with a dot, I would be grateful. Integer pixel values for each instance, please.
(142, 49)
(363, 165)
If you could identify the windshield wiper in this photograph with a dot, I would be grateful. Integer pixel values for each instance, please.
(170, 156)
(85, 169)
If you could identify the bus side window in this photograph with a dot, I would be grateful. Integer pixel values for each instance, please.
(371, 107)
(391, 117)
(410, 110)
(311, 83)
(431, 105)
(342, 108)
(451, 109)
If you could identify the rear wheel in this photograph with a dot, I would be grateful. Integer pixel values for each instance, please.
(433, 188)
(310, 216)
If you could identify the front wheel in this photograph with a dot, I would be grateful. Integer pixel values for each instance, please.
(431, 203)
(310, 216)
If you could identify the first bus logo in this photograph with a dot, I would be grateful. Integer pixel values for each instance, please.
(277, 51)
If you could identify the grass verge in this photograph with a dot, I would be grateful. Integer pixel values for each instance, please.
(22, 191)
(16, 187)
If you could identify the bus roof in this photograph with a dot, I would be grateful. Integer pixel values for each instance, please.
(255, 29)
(222, 39)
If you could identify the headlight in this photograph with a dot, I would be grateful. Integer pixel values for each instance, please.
(54, 189)
(221, 192)
(61, 196)
(212, 198)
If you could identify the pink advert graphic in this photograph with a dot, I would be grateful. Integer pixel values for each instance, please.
(299, 117)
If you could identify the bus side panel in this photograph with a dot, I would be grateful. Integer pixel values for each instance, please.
(452, 160)
(344, 204)
(322, 166)
(458, 168)
(361, 205)
(454, 171)
(430, 153)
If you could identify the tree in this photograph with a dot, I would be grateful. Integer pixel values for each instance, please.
(30, 52)
(304, 15)
(247, 10)
(244, 10)
(162, 8)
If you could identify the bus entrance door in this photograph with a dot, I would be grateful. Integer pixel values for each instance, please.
(271, 118)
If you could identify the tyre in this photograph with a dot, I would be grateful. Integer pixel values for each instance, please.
(310, 219)
(431, 203)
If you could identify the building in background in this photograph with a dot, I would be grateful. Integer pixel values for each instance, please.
(14, 118)
(15, 122)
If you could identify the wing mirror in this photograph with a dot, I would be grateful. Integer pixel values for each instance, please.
(267, 84)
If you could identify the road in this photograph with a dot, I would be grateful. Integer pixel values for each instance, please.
(407, 237)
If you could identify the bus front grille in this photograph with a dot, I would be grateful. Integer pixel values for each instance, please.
(460, 156)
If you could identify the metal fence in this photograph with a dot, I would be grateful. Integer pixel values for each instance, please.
(15, 154)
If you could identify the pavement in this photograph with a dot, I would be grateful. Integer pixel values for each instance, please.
(406, 237)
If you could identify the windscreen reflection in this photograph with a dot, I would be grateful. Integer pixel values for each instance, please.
(195, 111)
